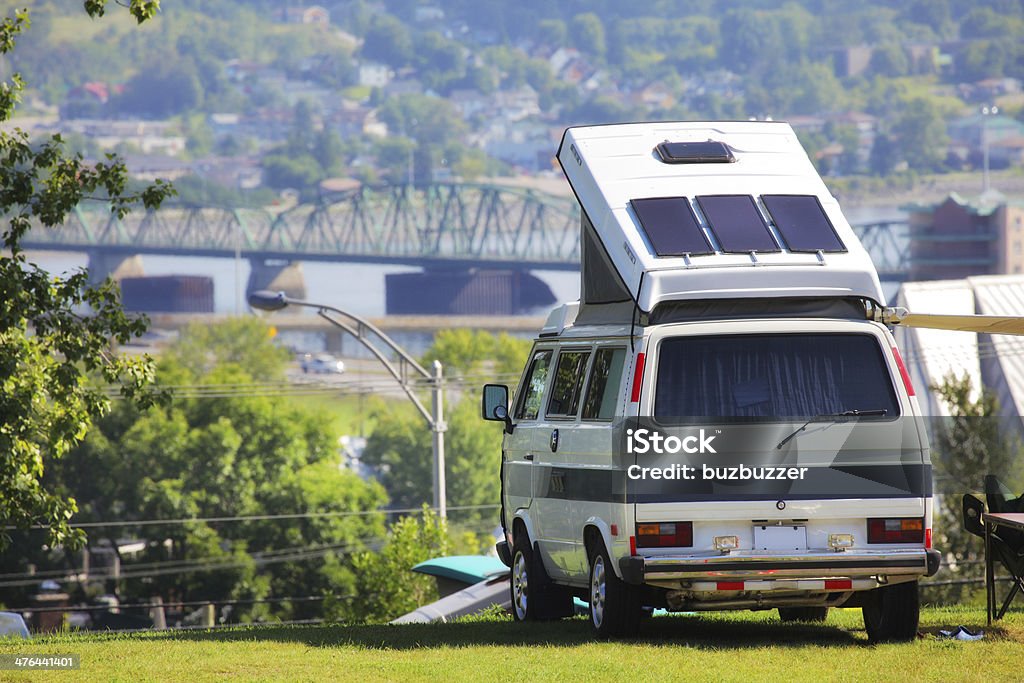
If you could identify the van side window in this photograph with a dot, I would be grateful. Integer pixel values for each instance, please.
(603, 388)
(533, 386)
(565, 393)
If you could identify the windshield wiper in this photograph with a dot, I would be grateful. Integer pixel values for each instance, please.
(878, 412)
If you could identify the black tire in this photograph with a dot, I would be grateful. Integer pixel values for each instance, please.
(524, 607)
(891, 613)
(615, 608)
(533, 594)
(809, 614)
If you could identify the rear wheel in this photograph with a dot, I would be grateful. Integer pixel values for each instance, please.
(615, 608)
(803, 613)
(891, 613)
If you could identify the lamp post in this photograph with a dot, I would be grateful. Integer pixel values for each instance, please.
(986, 111)
(361, 329)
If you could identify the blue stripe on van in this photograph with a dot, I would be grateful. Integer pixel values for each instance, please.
(839, 481)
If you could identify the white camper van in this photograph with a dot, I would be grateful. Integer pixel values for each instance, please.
(723, 420)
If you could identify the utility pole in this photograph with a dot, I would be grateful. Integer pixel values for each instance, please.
(363, 330)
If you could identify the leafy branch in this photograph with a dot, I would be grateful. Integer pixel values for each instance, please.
(57, 334)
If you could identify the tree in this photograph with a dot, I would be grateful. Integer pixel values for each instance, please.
(797, 28)
(968, 445)
(394, 157)
(310, 153)
(983, 22)
(400, 447)
(889, 60)
(329, 151)
(601, 109)
(587, 32)
(300, 172)
(52, 355)
(469, 163)
(884, 156)
(986, 59)
(813, 143)
(849, 138)
(466, 352)
(552, 32)
(388, 41)
(384, 587)
(424, 118)
(755, 45)
(423, 164)
(223, 449)
(461, 350)
(806, 88)
(436, 54)
(921, 132)
(242, 341)
(163, 89)
(932, 13)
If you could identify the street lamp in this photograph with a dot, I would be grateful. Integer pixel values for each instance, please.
(266, 300)
(986, 111)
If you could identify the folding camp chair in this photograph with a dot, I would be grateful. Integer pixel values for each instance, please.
(1007, 545)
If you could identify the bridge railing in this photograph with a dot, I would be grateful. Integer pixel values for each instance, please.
(454, 222)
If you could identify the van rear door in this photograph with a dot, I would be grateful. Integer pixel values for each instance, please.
(820, 395)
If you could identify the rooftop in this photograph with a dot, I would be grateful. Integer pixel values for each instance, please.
(756, 222)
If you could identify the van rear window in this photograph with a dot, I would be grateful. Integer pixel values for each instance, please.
(771, 376)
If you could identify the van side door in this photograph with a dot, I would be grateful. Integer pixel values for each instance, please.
(556, 474)
(519, 451)
(595, 449)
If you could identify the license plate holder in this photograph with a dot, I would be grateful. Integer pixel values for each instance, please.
(774, 537)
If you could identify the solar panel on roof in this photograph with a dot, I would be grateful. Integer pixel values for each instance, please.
(803, 223)
(736, 223)
(670, 226)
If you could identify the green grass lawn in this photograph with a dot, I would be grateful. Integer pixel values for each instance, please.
(349, 414)
(742, 646)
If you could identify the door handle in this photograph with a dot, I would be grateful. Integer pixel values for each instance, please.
(554, 440)
(528, 456)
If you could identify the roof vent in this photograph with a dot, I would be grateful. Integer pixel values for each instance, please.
(709, 152)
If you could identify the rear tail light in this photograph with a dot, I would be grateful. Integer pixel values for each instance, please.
(664, 535)
(638, 378)
(903, 371)
(896, 530)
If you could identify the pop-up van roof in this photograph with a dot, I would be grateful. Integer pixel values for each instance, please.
(676, 212)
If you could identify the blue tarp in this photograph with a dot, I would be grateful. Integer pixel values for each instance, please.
(468, 569)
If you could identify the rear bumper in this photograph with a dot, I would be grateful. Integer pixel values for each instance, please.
(734, 566)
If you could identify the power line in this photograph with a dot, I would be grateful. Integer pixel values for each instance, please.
(257, 518)
(221, 627)
(198, 567)
(190, 603)
(381, 380)
(286, 389)
(103, 572)
(278, 556)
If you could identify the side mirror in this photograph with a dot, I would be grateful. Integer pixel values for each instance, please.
(494, 405)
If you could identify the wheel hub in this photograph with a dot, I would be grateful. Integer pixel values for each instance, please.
(597, 591)
(520, 586)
